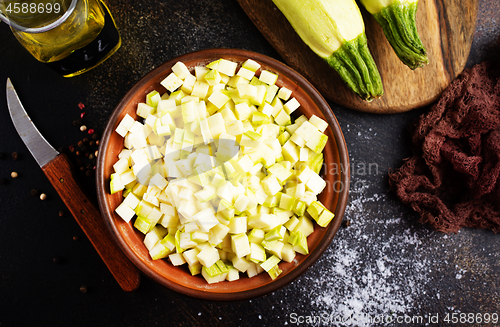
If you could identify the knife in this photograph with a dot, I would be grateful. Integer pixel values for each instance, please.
(59, 171)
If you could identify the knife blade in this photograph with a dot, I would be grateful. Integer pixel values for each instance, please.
(59, 171)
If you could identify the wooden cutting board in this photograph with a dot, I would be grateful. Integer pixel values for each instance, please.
(446, 28)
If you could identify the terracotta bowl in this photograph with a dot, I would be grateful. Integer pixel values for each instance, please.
(334, 197)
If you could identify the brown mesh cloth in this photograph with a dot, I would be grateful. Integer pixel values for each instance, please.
(453, 179)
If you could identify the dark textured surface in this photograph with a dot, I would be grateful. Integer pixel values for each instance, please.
(384, 263)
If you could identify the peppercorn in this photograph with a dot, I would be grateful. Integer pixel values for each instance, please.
(71, 148)
(77, 122)
(13, 174)
(56, 259)
(88, 173)
(34, 192)
(95, 136)
(80, 144)
(15, 155)
(43, 196)
(91, 131)
(75, 238)
(83, 128)
(62, 213)
(78, 153)
(91, 156)
(83, 289)
(85, 140)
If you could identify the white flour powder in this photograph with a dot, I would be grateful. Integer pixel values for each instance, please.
(368, 272)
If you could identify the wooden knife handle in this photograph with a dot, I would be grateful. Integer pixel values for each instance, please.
(60, 173)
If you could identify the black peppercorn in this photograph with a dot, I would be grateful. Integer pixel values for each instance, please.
(15, 155)
(83, 289)
(62, 213)
(34, 192)
(56, 260)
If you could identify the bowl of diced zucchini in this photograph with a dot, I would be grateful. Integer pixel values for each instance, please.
(223, 174)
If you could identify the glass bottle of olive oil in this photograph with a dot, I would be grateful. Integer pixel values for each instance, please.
(86, 37)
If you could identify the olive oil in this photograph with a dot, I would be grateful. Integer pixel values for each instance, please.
(86, 38)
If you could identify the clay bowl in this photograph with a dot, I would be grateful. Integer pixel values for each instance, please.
(335, 171)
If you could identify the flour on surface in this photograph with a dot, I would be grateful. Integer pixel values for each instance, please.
(368, 271)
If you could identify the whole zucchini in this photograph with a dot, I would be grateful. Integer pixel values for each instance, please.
(398, 21)
(335, 31)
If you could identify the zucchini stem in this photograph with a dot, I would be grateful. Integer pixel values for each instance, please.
(398, 21)
(355, 65)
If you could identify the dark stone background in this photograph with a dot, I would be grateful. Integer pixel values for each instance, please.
(385, 263)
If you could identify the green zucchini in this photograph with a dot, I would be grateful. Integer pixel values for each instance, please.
(335, 31)
(398, 21)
